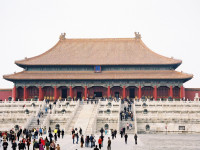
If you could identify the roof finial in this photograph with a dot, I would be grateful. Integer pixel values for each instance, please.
(137, 35)
(62, 36)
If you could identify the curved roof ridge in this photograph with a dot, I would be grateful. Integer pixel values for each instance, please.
(27, 59)
(178, 61)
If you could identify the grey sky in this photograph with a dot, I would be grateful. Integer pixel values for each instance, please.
(168, 27)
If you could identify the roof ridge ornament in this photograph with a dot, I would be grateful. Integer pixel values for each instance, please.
(137, 35)
(62, 36)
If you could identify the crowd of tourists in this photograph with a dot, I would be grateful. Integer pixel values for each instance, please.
(96, 142)
(22, 139)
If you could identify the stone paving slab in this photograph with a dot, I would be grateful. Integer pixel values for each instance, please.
(145, 142)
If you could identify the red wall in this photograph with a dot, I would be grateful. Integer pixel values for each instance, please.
(5, 93)
(190, 93)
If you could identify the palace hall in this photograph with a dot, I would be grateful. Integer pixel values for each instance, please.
(98, 68)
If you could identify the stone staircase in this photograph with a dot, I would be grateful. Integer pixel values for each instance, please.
(124, 124)
(82, 118)
(90, 126)
(34, 123)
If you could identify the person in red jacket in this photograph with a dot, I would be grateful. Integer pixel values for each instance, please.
(42, 142)
(100, 142)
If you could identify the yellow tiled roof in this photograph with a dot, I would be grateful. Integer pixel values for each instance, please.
(113, 51)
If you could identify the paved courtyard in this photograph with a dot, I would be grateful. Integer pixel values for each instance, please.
(145, 142)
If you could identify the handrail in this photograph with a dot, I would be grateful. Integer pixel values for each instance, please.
(135, 118)
(94, 124)
(119, 119)
(72, 115)
(28, 122)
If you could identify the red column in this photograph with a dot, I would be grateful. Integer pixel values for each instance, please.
(55, 93)
(139, 92)
(40, 93)
(155, 93)
(182, 92)
(14, 95)
(124, 92)
(25, 93)
(108, 92)
(171, 92)
(85, 92)
(70, 92)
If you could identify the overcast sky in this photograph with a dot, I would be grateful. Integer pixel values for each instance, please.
(168, 27)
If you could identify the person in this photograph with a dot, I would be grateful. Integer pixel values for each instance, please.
(52, 146)
(42, 141)
(55, 137)
(5, 144)
(87, 141)
(21, 145)
(109, 144)
(91, 141)
(33, 143)
(47, 144)
(94, 141)
(41, 147)
(28, 142)
(73, 136)
(0, 139)
(36, 145)
(126, 137)
(115, 133)
(121, 132)
(62, 133)
(46, 109)
(96, 148)
(73, 131)
(50, 106)
(82, 141)
(101, 131)
(50, 136)
(77, 137)
(40, 131)
(127, 126)
(124, 129)
(100, 142)
(106, 132)
(135, 137)
(80, 131)
(58, 147)
(18, 135)
(14, 145)
(58, 133)
(38, 121)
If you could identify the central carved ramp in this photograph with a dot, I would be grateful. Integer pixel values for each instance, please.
(82, 117)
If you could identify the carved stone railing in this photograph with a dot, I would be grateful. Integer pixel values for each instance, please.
(135, 118)
(28, 122)
(46, 122)
(73, 114)
(119, 119)
(94, 123)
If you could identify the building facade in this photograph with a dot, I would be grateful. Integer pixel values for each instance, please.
(88, 68)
